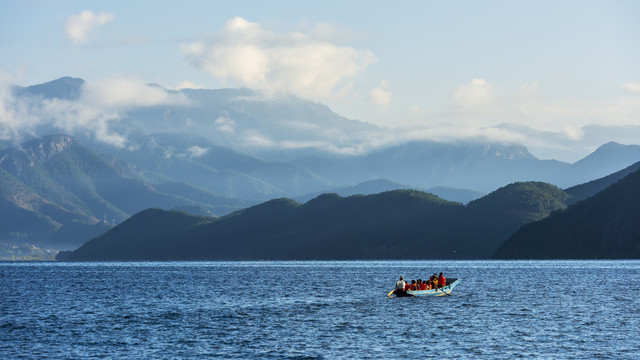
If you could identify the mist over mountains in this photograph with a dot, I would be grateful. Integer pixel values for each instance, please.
(245, 132)
(85, 154)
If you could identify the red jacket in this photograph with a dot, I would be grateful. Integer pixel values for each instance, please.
(442, 281)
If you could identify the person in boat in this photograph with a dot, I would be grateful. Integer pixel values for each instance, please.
(427, 284)
(423, 285)
(400, 285)
(433, 280)
(442, 281)
(412, 286)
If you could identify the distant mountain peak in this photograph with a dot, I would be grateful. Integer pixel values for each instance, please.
(631, 154)
(612, 146)
(67, 88)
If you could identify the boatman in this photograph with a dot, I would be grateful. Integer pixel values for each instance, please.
(400, 286)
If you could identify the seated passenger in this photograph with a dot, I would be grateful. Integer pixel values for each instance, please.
(442, 281)
(434, 281)
(423, 285)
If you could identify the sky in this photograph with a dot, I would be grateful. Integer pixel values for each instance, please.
(560, 77)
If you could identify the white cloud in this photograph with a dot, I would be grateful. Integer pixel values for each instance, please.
(225, 124)
(79, 25)
(380, 96)
(417, 110)
(120, 92)
(633, 87)
(15, 117)
(187, 84)
(253, 138)
(475, 94)
(246, 54)
(573, 133)
(98, 107)
(197, 151)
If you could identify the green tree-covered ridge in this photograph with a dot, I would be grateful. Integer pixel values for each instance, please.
(397, 224)
(604, 226)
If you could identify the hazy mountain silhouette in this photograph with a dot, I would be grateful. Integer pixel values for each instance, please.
(67, 88)
(583, 191)
(381, 185)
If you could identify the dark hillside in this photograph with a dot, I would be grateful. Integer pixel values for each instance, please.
(605, 226)
(400, 224)
(491, 219)
(148, 235)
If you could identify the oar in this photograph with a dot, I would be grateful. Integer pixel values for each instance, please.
(391, 292)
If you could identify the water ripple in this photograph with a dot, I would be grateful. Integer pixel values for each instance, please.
(318, 310)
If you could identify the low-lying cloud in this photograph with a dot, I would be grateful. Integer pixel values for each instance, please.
(99, 105)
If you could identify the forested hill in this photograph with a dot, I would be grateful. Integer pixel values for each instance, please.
(583, 191)
(604, 226)
(401, 224)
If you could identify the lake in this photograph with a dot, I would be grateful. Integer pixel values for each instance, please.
(319, 309)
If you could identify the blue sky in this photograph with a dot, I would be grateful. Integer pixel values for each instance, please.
(446, 69)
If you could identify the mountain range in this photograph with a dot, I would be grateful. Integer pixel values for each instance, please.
(532, 217)
(406, 224)
(200, 155)
(242, 143)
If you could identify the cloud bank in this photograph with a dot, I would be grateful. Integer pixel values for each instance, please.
(244, 53)
(100, 105)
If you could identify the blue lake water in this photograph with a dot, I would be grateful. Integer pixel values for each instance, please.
(315, 310)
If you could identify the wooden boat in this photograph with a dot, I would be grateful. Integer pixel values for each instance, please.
(446, 290)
